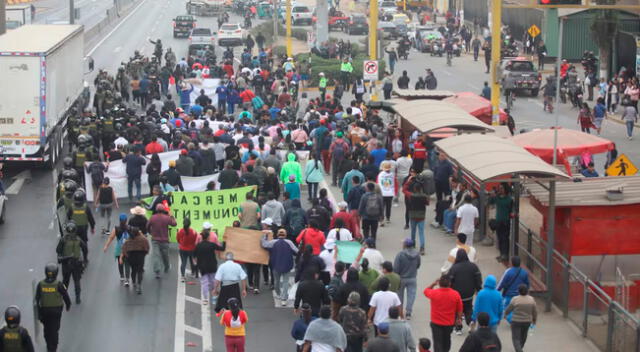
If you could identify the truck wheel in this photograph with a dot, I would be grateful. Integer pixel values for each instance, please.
(534, 92)
(4, 208)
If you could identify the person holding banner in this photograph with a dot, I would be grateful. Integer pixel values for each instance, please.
(282, 254)
(230, 282)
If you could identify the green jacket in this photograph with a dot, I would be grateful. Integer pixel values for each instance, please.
(291, 167)
(346, 67)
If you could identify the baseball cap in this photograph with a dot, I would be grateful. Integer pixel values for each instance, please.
(183, 152)
(123, 217)
(383, 328)
(408, 242)
(207, 225)
(268, 221)
(342, 205)
(339, 134)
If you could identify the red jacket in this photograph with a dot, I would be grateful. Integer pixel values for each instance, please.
(445, 303)
(247, 95)
(312, 236)
(153, 147)
(349, 221)
(419, 150)
(187, 240)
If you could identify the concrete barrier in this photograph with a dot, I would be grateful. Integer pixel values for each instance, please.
(111, 17)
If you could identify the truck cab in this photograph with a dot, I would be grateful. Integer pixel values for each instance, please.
(182, 25)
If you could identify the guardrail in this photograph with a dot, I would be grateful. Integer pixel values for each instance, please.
(112, 15)
(599, 317)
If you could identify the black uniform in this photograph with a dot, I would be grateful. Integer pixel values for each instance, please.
(15, 339)
(69, 252)
(50, 298)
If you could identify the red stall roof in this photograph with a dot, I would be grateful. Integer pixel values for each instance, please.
(475, 105)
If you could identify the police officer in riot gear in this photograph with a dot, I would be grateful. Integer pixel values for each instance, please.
(51, 296)
(14, 337)
(80, 213)
(72, 254)
(81, 155)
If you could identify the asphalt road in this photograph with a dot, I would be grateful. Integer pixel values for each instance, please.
(57, 11)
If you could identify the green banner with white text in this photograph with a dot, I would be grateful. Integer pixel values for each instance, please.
(220, 208)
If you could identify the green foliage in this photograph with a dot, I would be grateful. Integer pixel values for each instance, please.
(266, 28)
(331, 67)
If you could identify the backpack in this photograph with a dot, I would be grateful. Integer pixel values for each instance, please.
(120, 241)
(428, 182)
(71, 248)
(296, 222)
(489, 345)
(97, 175)
(339, 151)
(372, 207)
(334, 285)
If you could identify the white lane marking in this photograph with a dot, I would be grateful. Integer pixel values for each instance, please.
(192, 299)
(20, 179)
(178, 341)
(207, 338)
(192, 330)
(114, 29)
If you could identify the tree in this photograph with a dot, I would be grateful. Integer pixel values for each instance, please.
(604, 29)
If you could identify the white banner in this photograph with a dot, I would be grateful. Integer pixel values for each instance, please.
(118, 177)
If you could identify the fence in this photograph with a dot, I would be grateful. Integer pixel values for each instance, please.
(600, 318)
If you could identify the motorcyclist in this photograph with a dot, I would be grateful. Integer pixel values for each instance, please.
(448, 48)
(403, 46)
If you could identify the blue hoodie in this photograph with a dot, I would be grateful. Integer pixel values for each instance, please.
(489, 300)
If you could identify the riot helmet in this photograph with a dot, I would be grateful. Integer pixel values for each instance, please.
(79, 196)
(71, 228)
(51, 271)
(12, 316)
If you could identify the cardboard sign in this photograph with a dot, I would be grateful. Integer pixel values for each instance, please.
(245, 245)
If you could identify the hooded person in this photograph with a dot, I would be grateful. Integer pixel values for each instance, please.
(467, 280)
(295, 219)
(489, 300)
(273, 209)
(291, 167)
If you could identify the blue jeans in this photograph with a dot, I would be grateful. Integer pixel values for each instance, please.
(410, 285)
(449, 219)
(419, 225)
(230, 107)
(281, 284)
(629, 128)
(130, 182)
(186, 107)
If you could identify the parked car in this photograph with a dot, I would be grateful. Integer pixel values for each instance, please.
(521, 74)
(231, 34)
(182, 25)
(388, 30)
(337, 20)
(357, 24)
(301, 14)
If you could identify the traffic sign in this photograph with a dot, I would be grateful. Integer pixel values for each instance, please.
(533, 31)
(370, 70)
(622, 166)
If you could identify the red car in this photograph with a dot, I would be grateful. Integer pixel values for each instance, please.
(337, 20)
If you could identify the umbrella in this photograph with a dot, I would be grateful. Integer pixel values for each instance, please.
(570, 143)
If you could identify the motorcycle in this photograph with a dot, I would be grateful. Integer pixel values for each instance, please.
(437, 49)
(576, 95)
(403, 53)
(563, 93)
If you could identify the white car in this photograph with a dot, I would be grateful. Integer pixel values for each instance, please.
(301, 14)
(231, 34)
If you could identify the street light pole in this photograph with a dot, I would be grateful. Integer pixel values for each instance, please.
(288, 21)
(373, 29)
(496, 42)
(72, 11)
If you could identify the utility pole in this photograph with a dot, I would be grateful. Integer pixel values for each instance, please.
(288, 21)
(373, 29)
(72, 10)
(3, 17)
(496, 42)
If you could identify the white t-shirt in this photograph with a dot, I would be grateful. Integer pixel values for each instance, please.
(387, 180)
(345, 235)
(375, 258)
(383, 300)
(471, 253)
(467, 214)
(327, 258)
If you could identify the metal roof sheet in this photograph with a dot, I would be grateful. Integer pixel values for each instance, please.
(592, 191)
(36, 38)
(488, 156)
(423, 93)
(427, 115)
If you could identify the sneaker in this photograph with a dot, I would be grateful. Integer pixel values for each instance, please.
(157, 275)
(407, 316)
(459, 332)
(421, 250)
(435, 224)
(283, 303)
(182, 279)
(122, 281)
(139, 290)
(406, 227)
(126, 283)
(205, 301)
(381, 223)
(256, 291)
(388, 221)
(78, 300)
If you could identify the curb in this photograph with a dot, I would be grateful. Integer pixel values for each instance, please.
(619, 122)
